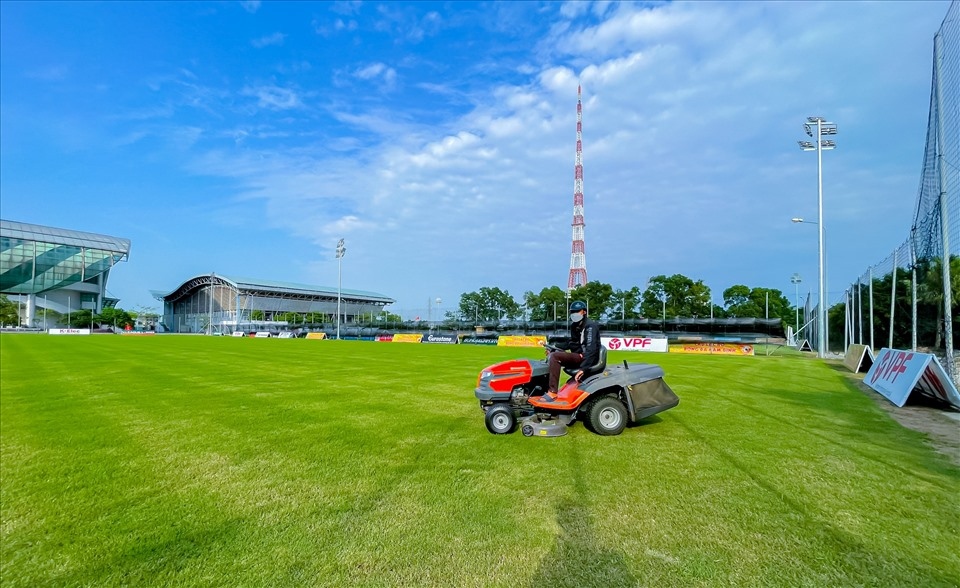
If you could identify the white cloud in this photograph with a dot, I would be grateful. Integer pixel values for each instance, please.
(274, 97)
(267, 40)
(341, 25)
(378, 71)
(688, 150)
(250, 6)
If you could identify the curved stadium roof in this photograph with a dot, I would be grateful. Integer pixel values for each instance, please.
(271, 287)
(35, 258)
(55, 236)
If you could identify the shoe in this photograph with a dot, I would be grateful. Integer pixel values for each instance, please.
(548, 397)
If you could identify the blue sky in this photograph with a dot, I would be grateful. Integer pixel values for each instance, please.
(438, 139)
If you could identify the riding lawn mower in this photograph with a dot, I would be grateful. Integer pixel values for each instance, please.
(512, 394)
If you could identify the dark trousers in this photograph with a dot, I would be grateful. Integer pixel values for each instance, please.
(558, 359)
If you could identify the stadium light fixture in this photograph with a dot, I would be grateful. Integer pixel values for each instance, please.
(818, 127)
(340, 251)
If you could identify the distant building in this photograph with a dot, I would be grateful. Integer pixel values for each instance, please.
(221, 304)
(57, 269)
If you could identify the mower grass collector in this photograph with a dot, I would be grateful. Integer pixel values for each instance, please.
(511, 393)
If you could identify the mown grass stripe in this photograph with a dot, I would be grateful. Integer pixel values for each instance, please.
(188, 461)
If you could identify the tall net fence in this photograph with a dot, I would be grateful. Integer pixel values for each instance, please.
(910, 298)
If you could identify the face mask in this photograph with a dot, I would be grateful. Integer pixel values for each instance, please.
(575, 317)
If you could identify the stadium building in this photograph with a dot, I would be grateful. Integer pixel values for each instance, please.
(57, 269)
(218, 304)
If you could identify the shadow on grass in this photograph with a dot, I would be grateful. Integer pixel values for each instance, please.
(818, 401)
(157, 561)
(849, 547)
(577, 558)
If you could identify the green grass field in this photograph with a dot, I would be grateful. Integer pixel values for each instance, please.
(213, 461)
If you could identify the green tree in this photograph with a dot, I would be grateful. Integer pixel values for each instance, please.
(386, 319)
(597, 295)
(683, 296)
(489, 304)
(625, 304)
(80, 319)
(930, 290)
(9, 313)
(739, 303)
(256, 315)
(550, 304)
(292, 318)
(115, 317)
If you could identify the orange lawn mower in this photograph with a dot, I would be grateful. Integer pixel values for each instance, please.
(606, 400)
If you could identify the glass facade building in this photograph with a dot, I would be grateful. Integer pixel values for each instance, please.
(67, 268)
(214, 303)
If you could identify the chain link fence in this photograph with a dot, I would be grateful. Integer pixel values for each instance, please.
(909, 299)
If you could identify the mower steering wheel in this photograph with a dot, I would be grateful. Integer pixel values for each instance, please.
(550, 347)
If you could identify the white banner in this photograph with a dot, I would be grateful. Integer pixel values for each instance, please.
(896, 374)
(634, 344)
(262, 334)
(239, 334)
(69, 331)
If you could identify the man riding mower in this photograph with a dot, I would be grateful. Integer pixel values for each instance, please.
(604, 399)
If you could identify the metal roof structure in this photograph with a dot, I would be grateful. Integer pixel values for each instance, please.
(55, 236)
(36, 259)
(271, 288)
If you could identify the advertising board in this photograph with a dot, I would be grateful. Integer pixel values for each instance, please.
(407, 338)
(69, 331)
(897, 374)
(858, 358)
(448, 339)
(521, 340)
(316, 335)
(479, 340)
(712, 348)
(634, 344)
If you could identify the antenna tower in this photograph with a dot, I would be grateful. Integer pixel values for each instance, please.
(578, 259)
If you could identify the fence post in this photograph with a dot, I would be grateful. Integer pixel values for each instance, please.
(913, 295)
(944, 216)
(860, 308)
(870, 275)
(893, 296)
(847, 320)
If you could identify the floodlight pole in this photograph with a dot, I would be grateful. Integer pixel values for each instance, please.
(795, 280)
(340, 251)
(823, 128)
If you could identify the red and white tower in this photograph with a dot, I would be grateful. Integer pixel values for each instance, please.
(578, 259)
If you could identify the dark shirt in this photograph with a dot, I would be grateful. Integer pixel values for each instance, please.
(585, 340)
(590, 343)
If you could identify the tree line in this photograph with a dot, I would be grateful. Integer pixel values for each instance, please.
(14, 314)
(666, 297)
(662, 297)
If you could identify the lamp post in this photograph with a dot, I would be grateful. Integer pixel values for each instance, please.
(439, 300)
(823, 128)
(795, 280)
(664, 312)
(824, 286)
(340, 251)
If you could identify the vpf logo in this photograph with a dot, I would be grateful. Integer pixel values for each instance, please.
(614, 343)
